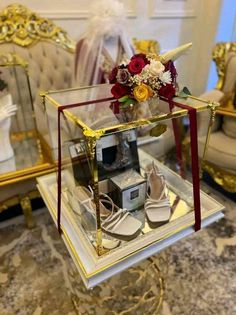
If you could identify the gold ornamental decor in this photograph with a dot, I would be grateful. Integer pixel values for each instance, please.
(146, 46)
(21, 26)
(219, 56)
(223, 178)
(11, 59)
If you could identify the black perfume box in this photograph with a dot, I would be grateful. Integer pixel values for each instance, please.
(115, 153)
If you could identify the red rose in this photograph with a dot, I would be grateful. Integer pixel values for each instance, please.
(136, 65)
(143, 56)
(119, 90)
(112, 75)
(167, 91)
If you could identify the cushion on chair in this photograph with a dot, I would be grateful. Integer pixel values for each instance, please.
(221, 150)
(229, 127)
(204, 117)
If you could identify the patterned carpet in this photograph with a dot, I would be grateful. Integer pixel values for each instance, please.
(35, 272)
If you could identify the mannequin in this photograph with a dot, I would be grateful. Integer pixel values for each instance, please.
(103, 45)
(111, 46)
(7, 109)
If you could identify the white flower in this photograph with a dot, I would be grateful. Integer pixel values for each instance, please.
(155, 67)
(138, 79)
(165, 77)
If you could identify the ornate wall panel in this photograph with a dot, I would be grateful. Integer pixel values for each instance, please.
(172, 8)
(60, 10)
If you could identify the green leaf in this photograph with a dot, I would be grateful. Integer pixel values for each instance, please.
(130, 101)
(123, 98)
(158, 130)
(184, 93)
(127, 103)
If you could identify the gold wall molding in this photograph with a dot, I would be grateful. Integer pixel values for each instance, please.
(21, 26)
(164, 9)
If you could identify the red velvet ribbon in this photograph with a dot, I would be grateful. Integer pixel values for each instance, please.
(178, 143)
(192, 112)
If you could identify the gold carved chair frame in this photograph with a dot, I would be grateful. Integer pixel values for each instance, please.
(222, 177)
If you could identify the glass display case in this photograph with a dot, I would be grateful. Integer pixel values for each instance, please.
(114, 204)
(23, 152)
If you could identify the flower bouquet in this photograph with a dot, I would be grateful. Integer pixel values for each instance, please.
(142, 78)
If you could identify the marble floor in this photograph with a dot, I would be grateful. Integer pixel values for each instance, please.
(34, 276)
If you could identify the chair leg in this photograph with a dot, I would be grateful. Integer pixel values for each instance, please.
(27, 210)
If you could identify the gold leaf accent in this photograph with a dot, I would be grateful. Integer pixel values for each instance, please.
(10, 59)
(158, 130)
(146, 46)
(221, 177)
(21, 26)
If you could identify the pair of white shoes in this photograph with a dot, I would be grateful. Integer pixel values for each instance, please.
(119, 222)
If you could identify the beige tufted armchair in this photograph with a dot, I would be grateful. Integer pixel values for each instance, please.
(49, 53)
(220, 161)
(46, 48)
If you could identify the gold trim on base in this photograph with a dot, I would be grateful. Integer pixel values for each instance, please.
(27, 210)
(43, 166)
(223, 178)
(25, 202)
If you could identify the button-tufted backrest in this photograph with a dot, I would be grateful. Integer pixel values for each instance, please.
(50, 68)
(46, 48)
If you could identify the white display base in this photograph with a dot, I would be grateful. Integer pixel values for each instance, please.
(95, 269)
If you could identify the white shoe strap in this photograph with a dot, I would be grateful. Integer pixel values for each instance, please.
(88, 203)
(153, 204)
(112, 216)
(117, 221)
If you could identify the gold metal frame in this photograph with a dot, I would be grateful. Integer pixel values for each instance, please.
(21, 26)
(92, 136)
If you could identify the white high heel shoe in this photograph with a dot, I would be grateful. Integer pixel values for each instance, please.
(116, 222)
(157, 205)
